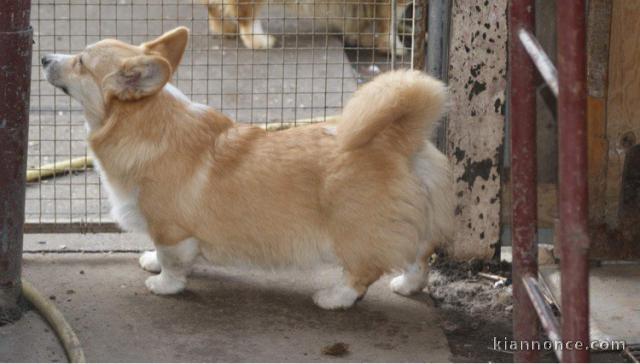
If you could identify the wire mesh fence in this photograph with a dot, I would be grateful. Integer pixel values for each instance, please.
(262, 63)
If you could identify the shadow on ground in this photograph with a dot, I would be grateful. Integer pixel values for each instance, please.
(224, 315)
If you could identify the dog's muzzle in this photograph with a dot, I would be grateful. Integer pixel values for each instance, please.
(47, 61)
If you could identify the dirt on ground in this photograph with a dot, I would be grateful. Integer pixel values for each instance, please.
(476, 300)
(477, 303)
(480, 289)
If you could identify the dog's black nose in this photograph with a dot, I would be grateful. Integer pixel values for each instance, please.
(45, 61)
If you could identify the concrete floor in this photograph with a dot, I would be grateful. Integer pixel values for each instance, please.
(225, 314)
(614, 300)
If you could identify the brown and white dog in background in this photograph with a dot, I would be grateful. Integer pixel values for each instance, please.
(369, 192)
(365, 23)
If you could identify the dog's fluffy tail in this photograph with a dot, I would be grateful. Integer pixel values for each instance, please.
(400, 105)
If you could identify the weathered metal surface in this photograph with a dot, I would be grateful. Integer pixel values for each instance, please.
(477, 80)
(572, 189)
(419, 21)
(15, 75)
(522, 116)
(545, 314)
(439, 37)
(543, 63)
(438, 54)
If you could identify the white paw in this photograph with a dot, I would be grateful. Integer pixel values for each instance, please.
(400, 48)
(335, 297)
(407, 284)
(269, 42)
(149, 262)
(261, 41)
(163, 284)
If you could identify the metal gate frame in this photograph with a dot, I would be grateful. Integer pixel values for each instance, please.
(569, 84)
(15, 77)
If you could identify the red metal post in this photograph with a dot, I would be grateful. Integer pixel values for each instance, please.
(572, 189)
(15, 79)
(522, 115)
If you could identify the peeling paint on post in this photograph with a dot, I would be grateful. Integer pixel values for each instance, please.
(16, 38)
(477, 79)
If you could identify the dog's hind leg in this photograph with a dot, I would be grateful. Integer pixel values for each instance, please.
(251, 32)
(414, 278)
(174, 263)
(382, 27)
(347, 292)
(218, 24)
(356, 278)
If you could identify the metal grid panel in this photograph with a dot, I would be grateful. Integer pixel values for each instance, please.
(308, 75)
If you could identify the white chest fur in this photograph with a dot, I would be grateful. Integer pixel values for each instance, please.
(124, 200)
(124, 203)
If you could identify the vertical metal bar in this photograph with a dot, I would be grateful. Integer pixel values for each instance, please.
(15, 79)
(438, 38)
(522, 115)
(438, 53)
(393, 32)
(419, 32)
(572, 189)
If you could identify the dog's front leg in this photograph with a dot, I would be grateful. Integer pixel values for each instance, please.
(174, 263)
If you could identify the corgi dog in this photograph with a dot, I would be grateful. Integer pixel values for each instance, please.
(369, 191)
(364, 23)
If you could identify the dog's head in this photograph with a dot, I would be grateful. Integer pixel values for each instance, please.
(112, 69)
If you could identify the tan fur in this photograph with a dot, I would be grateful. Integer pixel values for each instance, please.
(364, 23)
(375, 195)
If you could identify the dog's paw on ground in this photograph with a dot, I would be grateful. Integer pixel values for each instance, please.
(163, 285)
(149, 262)
(335, 298)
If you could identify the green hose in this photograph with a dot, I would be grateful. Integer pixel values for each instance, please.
(61, 327)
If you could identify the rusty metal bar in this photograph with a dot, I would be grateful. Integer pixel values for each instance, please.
(419, 32)
(522, 116)
(572, 188)
(540, 58)
(16, 37)
(547, 318)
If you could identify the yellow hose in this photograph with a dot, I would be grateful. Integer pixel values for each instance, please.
(49, 170)
(61, 327)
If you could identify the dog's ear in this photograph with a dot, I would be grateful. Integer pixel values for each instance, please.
(137, 77)
(170, 45)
